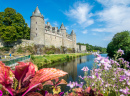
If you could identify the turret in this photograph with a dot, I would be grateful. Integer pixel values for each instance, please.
(73, 39)
(37, 27)
(63, 32)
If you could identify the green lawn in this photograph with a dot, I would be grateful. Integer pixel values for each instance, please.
(53, 58)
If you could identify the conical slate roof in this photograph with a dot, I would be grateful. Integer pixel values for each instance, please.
(72, 32)
(62, 26)
(37, 12)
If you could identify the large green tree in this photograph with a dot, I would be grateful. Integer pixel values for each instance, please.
(120, 40)
(13, 26)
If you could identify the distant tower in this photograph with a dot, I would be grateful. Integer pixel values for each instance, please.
(63, 32)
(74, 39)
(37, 27)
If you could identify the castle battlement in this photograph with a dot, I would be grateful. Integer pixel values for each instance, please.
(47, 35)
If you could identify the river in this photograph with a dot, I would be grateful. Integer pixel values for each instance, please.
(73, 68)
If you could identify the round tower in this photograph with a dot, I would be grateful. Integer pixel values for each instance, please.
(37, 27)
(74, 39)
(63, 32)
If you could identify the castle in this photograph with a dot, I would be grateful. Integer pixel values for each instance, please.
(45, 34)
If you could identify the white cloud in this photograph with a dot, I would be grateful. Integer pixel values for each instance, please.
(114, 2)
(55, 24)
(108, 38)
(94, 34)
(81, 13)
(67, 27)
(85, 32)
(46, 19)
(116, 17)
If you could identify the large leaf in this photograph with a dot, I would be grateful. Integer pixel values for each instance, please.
(43, 75)
(6, 77)
(24, 71)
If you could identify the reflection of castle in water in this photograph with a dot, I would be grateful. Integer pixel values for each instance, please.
(71, 67)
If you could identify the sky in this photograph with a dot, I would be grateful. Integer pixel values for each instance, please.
(94, 21)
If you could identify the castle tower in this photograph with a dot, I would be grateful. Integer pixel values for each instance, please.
(74, 39)
(63, 32)
(37, 27)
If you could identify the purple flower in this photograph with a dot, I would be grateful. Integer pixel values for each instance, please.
(81, 84)
(71, 84)
(122, 78)
(82, 77)
(127, 72)
(120, 51)
(122, 95)
(61, 93)
(128, 82)
(125, 91)
(85, 69)
(1, 93)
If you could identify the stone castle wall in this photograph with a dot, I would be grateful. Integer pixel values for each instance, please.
(53, 39)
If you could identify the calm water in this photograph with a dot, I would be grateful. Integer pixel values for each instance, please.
(73, 68)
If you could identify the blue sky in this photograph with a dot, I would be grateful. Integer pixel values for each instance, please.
(94, 21)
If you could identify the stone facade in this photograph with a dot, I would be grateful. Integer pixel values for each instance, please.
(47, 35)
(81, 48)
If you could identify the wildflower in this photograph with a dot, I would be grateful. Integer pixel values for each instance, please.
(85, 69)
(82, 77)
(120, 51)
(127, 72)
(81, 84)
(125, 91)
(71, 84)
(56, 89)
(122, 77)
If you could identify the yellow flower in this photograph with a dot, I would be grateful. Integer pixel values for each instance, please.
(56, 90)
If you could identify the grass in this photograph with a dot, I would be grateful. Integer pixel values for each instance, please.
(54, 58)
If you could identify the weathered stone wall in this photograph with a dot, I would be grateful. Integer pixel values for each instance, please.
(23, 43)
(52, 39)
(69, 43)
(77, 48)
(81, 48)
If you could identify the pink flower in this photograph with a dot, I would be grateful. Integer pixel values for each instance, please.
(82, 77)
(120, 51)
(125, 91)
(85, 69)
(71, 84)
(127, 72)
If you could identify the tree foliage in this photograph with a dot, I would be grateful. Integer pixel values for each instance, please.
(120, 40)
(13, 26)
(93, 48)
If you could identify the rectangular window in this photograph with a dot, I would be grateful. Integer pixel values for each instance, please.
(36, 28)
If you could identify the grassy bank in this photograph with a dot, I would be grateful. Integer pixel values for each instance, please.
(54, 58)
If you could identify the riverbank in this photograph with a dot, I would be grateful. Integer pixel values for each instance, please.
(54, 58)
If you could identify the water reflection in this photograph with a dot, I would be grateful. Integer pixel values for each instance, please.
(73, 68)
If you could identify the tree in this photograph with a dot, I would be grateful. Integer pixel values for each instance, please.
(13, 26)
(120, 40)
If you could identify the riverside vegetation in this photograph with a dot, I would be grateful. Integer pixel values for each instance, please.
(53, 59)
(110, 78)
